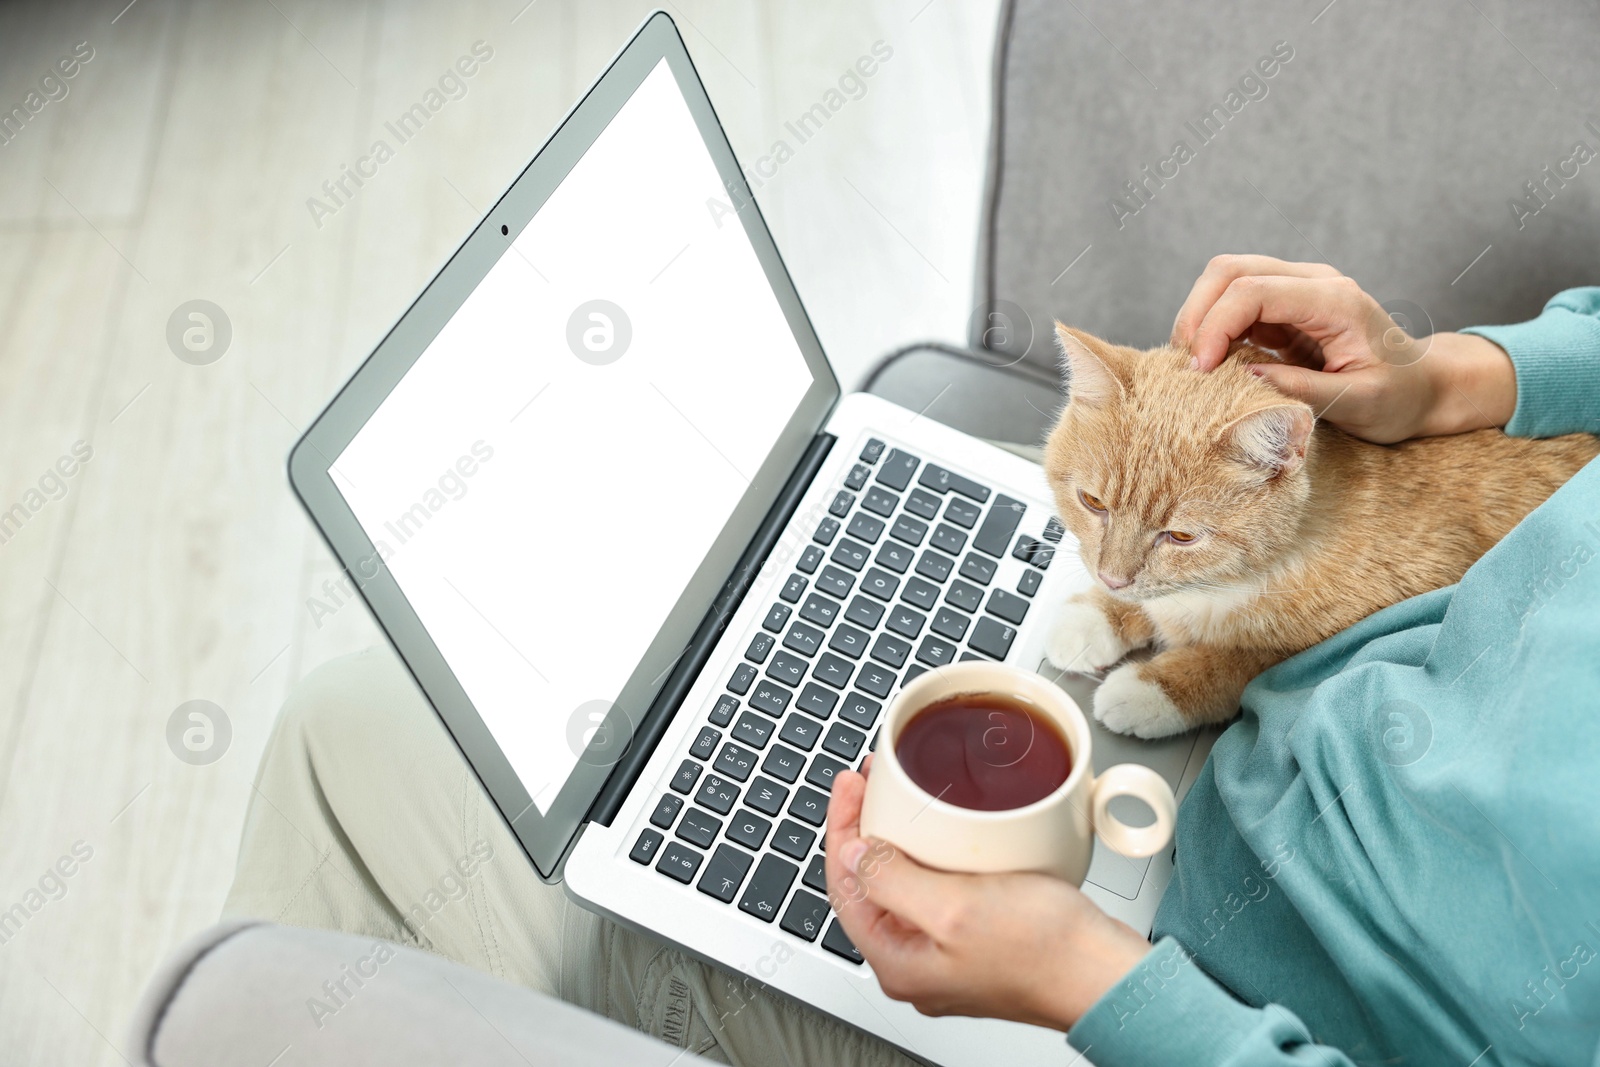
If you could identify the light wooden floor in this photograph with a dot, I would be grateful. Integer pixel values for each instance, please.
(176, 565)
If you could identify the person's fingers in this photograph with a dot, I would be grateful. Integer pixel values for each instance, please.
(917, 895)
(1310, 305)
(1318, 388)
(1222, 272)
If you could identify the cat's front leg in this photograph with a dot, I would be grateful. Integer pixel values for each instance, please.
(1178, 690)
(1094, 630)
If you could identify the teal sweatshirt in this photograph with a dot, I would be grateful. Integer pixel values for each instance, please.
(1393, 856)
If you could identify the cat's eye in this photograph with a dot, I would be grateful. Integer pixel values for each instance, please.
(1091, 502)
(1179, 537)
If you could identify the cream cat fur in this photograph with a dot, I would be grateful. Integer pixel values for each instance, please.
(1245, 531)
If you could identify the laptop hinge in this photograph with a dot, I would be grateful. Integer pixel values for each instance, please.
(708, 633)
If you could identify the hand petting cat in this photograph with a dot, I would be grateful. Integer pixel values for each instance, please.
(1224, 528)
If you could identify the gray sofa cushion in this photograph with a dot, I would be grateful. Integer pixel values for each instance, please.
(1392, 145)
(982, 393)
(251, 994)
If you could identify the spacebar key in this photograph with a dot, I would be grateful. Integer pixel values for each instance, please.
(994, 536)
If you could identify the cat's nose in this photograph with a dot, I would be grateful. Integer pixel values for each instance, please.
(1114, 582)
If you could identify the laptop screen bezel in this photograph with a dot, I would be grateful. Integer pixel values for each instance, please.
(546, 836)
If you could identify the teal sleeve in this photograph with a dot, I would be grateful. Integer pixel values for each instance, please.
(1557, 360)
(1168, 1011)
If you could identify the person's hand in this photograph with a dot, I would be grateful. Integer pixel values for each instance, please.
(1342, 353)
(1025, 947)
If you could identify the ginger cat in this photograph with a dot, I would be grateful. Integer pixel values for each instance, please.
(1229, 530)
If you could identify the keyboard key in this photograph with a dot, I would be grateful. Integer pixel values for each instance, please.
(766, 796)
(699, 827)
(978, 569)
(816, 876)
(794, 840)
(735, 761)
(1054, 531)
(827, 530)
(969, 654)
(1034, 552)
(725, 873)
(1008, 606)
(922, 504)
(873, 449)
(992, 637)
(961, 512)
(865, 528)
(722, 714)
(838, 942)
(739, 681)
(804, 639)
(862, 711)
(752, 730)
(822, 770)
(994, 536)
(706, 743)
(857, 477)
(913, 672)
(793, 589)
(800, 732)
(905, 622)
(964, 595)
(850, 554)
(844, 742)
(717, 794)
(835, 582)
(842, 503)
(1028, 584)
(831, 670)
(940, 480)
(875, 680)
(760, 645)
(880, 502)
(891, 650)
(667, 809)
(784, 763)
(748, 829)
(768, 886)
(805, 915)
(809, 560)
(951, 624)
(933, 565)
(644, 850)
(849, 641)
(809, 806)
(897, 469)
(909, 530)
(920, 594)
(688, 774)
(777, 618)
(895, 556)
(880, 583)
(947, 538)
(786, 669)
(936, 653)
(771, 698)
(820, 610)
(864, 612)
(817, 700)
(679, 862)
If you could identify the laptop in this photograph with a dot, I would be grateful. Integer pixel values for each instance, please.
(657, 575)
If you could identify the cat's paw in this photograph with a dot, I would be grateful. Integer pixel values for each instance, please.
(1083, 639)
(1128, 704)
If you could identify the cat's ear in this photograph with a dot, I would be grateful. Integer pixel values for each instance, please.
(1272, 439)
(1087, 362)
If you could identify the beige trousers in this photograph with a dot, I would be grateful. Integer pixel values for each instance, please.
(365, 818)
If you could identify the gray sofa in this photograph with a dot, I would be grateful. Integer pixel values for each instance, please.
(1425, 149)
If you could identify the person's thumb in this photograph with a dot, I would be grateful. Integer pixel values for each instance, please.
(1317, 388)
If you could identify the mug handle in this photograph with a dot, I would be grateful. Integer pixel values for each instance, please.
(1134, 780)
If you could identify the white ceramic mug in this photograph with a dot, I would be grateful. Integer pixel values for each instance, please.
(1054, 835)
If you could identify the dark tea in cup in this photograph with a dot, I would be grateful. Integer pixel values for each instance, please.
(985, 751)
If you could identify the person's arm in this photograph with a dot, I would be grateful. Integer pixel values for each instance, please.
(1557, 361)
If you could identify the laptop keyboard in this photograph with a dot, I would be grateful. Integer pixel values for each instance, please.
(897, 579)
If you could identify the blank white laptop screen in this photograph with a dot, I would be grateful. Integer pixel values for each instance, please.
(555, 466)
